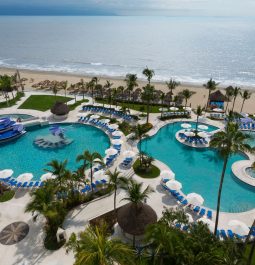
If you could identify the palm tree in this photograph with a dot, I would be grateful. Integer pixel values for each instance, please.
(245, 95)
(149, 73)
(131, 81)
(229, 95)
(116, 180)
(187, 94)
(172, 84)
(88, 159)
(83, 87)
(95, 247)
(211, 85)
(65, 85)
(92, 84)
(6, 86)
(162, 97)
(236, 92)
(147, 96)
(199, 112)
(108, 85)
(55, 89)
(58, 169)
(227, 143)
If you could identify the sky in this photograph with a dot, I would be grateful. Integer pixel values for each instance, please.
(128, 7)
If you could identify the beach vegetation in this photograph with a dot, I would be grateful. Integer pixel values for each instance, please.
(6, 194)
(172, 84)
(246, 94)
(227, 143)
(13, 101)
(147, 97)
(236, 93)
(187, 94)
(42, 102)
(211, 85)
(144, 168)
(229, 95)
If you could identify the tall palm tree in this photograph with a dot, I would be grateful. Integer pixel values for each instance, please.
(149, 73)
(236, 92)
(211, 85)
(6, 87)
(147, 96)
(246, 94)
(54, 88)
(227, 143)
(95, 247)
(65, 85)
(131, 82)
(172, 84)
(88, 159)
(92, 84)
(58, 169)
(199, 112)
(229, 95)
(187, 94)
(162, 97)
(116, 180)
(83, 87)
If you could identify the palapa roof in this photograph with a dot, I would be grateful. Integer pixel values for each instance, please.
(217, 96)
(60, 109)
(134, 220)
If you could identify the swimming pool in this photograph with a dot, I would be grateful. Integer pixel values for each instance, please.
(23, 156)
(199, 170)
(16, 116)
(251, 141)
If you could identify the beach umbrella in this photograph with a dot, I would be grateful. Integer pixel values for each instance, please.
(202, 127)
(174, 108)
(6, 173)
(195, 199)
(239, 227)
(95, 116)
(47, 176)
(167, 174)
(113, 126)
(111, 152)
(105, 120)
(208, 222)
(190, 218)
(129, 154)
(117, 133)
(187, 108)
(117, 141)
(189, 134)
(98, 174)
(24, 177)
(186, 125)
(202, 134)
(97, 160)
(174, 185)
(80, 115)
(163, 109)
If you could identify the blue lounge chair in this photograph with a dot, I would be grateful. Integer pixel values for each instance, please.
(196, 209)
(209, 214)
(36, 184)
(185, 227)
(31, 184)
(230, 234)
(223, 234)
(184, 202)
(19, 185)
(202, 212)
(178, 225)
(103, 181)
(24, 185)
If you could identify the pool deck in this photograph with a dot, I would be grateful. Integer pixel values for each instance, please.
(31, 251)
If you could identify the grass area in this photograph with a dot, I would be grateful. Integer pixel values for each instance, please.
(7, 195)
(77, 103)
(12, 101)
(42, 102)
(141, 172)
(134, 106)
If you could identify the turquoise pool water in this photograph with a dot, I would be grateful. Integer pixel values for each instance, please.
(251, 141)
(199, 170)
(15, 116)
(23, 156)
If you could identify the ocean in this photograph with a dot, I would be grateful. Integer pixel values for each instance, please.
(189, 49)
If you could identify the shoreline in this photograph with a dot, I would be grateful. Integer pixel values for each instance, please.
(199, 98)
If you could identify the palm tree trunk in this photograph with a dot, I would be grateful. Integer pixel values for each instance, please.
(207, 105)
(242, 106)
(227, 105)
(148, 110)
(233, 104)
(251, 253)
(219, 194)
(115, 195)
(197, 123)
(91, 177)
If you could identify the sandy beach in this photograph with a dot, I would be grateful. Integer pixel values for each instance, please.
(199, 98)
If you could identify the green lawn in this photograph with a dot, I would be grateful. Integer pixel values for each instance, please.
(12, 101)
(42, 102)
(153, 173)
(7, 195)
(77, 103)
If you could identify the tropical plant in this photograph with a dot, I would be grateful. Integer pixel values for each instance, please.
(162, 97)
(89, 160)
(131, 82)
(95, 247)
(147, 96)
(211, 85)
(236, 92)
(54, 88)
(139, 134)
(65, 85)
(187, 94)
(199, 112)
(172, 84)
(229, 95)
(227, 143)
(116, 180)
(6, 87)
(149, 73)
(83, 87)
(246, 94)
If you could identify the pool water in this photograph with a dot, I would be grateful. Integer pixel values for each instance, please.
(16, 116)
(251, 171)
(199, 170)
(251, 141)
(23, 156)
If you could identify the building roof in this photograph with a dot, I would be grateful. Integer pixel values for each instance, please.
(134, 220)
(60, 109)
(217, 96)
